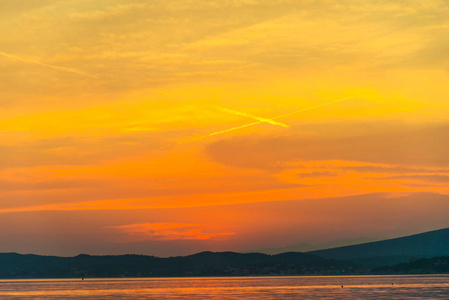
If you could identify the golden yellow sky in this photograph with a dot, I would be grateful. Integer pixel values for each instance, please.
(169, 127)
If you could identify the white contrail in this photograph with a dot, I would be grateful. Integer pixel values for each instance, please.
(280, 116)
(260, 119)
(231, 129)
(47, 65)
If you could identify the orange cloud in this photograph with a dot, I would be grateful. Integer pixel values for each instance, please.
(377, 143)
(168, 231)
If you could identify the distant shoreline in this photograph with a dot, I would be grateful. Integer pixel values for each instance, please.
(224, 277)
(205, 265)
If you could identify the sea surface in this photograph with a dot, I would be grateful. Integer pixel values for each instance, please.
(291, 287)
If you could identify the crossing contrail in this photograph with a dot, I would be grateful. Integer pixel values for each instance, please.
(260, 119)
(280, 116)
(47, 65)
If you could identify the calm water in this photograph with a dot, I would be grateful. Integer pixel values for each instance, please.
(316, 287)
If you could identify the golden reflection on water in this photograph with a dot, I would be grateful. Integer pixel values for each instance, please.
(306, 287)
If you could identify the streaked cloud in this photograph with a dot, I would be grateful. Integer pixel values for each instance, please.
(168, 231)
(420, 146)
(314, 221)
(64, 69)
(439, 178)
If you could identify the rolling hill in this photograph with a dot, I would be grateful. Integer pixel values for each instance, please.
(427, 244)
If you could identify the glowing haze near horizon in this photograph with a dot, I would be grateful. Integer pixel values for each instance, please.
(124, 125)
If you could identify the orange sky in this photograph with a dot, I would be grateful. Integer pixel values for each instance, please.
(170, 127)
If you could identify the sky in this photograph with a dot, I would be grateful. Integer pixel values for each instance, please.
(173, 127)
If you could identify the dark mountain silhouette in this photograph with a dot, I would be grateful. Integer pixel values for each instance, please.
(435, 265)
(357, 259)
(13, 265)
(304, 247)
(427, 244)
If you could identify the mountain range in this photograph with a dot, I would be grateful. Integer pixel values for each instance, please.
(420, 253)
(427, 244)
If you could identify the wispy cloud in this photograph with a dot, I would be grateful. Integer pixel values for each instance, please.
(64, 69)
(405, 147)
(415, 177)
(168, 231)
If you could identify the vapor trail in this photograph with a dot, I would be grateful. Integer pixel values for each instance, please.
(260, 119)
(47, 65)
(235, 128)
(280, 116)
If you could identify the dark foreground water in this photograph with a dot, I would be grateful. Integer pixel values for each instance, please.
(313, 287)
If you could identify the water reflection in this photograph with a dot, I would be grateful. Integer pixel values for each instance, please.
(354, 287)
